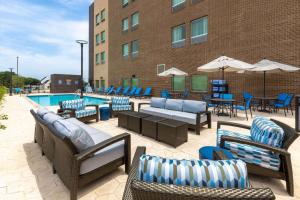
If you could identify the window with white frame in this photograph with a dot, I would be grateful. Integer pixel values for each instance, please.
(178, 36)
(125, 24)
(125, 50)
(125, 3)
(135, 19)
(97, 58)
(176, 3)
(135, 48)
(199, 30)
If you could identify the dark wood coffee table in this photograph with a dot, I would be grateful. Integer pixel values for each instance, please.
(123, 119)
(149, 126)
(172, 132)
(134, 121)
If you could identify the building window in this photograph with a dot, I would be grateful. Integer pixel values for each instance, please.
(60, 82)
(125, 50)
(97, 39)
(178, 36)
(134, 82)
(178, 83)
(76, 82)
(102, 13)
(97, 59)
(102, 57)
(178, 5)
(199, 83)
(68, 81)
(135, 19)
(97, 84)
(135, 48)
(125, 3)
(125, 24)
(102, 36)
(126, 82)
(98, 19)
(199, 30)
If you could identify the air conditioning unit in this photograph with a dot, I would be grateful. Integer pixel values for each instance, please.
(160, 68)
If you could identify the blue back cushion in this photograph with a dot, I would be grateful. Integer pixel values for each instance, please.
(193, 106)
(174, 104)
(282, 96)
(157, 102)
(120, 100)
(195, 173)
(51, 117)
(42, 111)
(267, 132)
(77, 104)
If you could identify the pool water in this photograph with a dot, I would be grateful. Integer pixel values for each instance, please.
(53, 100)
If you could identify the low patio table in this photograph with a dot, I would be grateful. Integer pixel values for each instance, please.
(123, 119)
(149, 126)
(264, 101)
(172, 132)
(176, 95)
(134, 122)
(221, 104)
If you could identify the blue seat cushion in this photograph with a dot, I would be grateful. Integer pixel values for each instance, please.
(249, 154)
(239, 107)
(77, 104)
(208, 152)
(193, 106)
(195, 173)
(85, 113)
(174, 104)
(267, 132)
(121, 107)
(157, 102)
(120, 100)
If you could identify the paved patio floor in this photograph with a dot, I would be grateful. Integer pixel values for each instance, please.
(26, 174)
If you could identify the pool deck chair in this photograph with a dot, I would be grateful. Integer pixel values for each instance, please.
(132, 91)
(148, 92)
(138, 92)
(111, 90)
(107, 89)
(126, 90)
(118, 90)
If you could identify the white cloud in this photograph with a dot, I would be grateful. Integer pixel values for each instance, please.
(42, 37)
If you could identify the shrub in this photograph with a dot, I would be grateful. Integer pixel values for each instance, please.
(3, 91)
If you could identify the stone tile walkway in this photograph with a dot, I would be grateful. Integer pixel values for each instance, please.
(26, 174)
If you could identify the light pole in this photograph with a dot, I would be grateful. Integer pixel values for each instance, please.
(10, 84)
(17, 71)
(81, 42)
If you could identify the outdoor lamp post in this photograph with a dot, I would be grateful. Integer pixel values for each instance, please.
(81, 42)
(10, 82)
(17, 71)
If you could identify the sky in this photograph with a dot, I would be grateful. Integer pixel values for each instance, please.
(43, 34)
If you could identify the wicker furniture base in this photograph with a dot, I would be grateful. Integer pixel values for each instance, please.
(123, 119)
(172, 132)
(134, 122)
(138, 190)
(149, 126)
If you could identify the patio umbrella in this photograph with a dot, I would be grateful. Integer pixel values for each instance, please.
(268, 66)
(225, 63)
(172, 72)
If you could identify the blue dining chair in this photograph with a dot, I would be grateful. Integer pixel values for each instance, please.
(284, 104)
(245, 107)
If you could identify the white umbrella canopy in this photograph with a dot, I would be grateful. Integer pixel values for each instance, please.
(269, 66)
(173, 72)
(225, 63)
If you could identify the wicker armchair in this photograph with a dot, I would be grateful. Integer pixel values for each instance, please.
(138, 190)
(285, 171)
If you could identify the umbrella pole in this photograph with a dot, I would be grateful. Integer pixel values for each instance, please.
(223, 73)
(264, 83)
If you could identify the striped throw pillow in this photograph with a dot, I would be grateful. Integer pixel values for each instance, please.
(196, 173)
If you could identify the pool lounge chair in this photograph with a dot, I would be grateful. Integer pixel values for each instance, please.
(165, 94)
(126, 90)
(111, 90)
(137, 92)
(148, 92)
(118, 90)
(107, 89)
(132, 91)
(139, 190)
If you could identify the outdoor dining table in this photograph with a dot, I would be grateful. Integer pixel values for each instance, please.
(264, 101)
(221, 105)
(176, 95)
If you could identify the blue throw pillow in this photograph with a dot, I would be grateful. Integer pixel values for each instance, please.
(174, 104)
(193, 106)
(267, 132)
(157, 102)
(79, 137)
(195, 173)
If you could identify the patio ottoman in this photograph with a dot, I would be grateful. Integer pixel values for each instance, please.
(172, 132)
(149, 126)
(208, 153)
(135, 121)
(104, 113)
(123, 119)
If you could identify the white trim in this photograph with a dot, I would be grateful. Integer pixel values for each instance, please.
(174, 6)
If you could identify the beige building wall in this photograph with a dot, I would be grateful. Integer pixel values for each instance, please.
(100, 69)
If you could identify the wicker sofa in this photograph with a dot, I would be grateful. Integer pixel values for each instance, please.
(195, 113)
(138, 190)
(77, 109)
(76, 167)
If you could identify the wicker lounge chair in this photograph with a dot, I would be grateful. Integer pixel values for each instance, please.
(285, 171)
(77, 169)
(138, 190)
(120, 104)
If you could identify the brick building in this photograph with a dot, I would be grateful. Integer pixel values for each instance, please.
(144, 36)
(64, 83)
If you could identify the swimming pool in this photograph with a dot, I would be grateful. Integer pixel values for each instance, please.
(53, 100)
